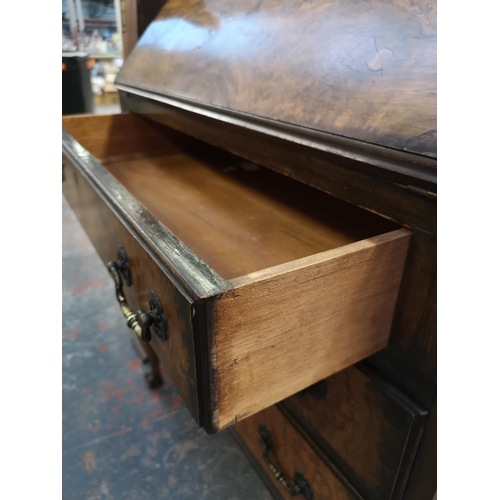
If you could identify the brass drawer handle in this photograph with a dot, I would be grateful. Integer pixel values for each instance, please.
(123, 265)
(141, 321)
(296, 486)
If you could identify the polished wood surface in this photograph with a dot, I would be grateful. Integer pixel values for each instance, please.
(106, 231)
(387, 184)
(292, 453)
(311, 281)
(240, 218)
(366, 426)
(186, 268)
(285, 328)
(411, 357)
(337, 95)
(120, 136)
(355, 69)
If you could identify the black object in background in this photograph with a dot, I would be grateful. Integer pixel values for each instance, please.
(77, 94)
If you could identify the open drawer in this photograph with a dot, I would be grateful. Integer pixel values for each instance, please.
(249, 285)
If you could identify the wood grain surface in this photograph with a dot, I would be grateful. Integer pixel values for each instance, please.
(357, 69)
(368, 428)
(241, 218)
(121, 136)
(311, 281)
(291, 453)
(238, 217)
(389, 183)
(197, 279)
(411, 356)
(339, 95)
(283, 329)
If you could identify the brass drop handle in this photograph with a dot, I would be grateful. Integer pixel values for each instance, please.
(140, 321)
(296, 486)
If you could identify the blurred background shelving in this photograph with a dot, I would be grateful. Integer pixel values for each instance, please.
(92, 55)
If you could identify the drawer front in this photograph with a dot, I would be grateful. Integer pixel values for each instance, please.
(290, 454)
(107, 232)
(366, 427)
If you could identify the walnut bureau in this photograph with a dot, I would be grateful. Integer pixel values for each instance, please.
(266, 207)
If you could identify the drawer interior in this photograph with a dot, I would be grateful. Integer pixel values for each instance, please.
(238, 217)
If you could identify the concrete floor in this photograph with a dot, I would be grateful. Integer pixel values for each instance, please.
(120, 439)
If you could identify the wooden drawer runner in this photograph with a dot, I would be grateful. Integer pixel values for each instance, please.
(291, 455)
(268, 285)
(369, 429)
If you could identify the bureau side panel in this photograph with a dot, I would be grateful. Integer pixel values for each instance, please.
(411, 356)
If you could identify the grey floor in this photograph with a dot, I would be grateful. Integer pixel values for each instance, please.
(120, 439)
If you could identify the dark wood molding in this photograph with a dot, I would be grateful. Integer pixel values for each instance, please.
(423, 475)
(419, 415)
(395, 164)
(204, 374)
(346, 178)
(194, 276)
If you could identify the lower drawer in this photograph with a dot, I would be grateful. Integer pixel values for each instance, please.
(286, 458)
(366, 427)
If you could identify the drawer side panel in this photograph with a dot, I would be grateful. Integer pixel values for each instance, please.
(285, 328)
